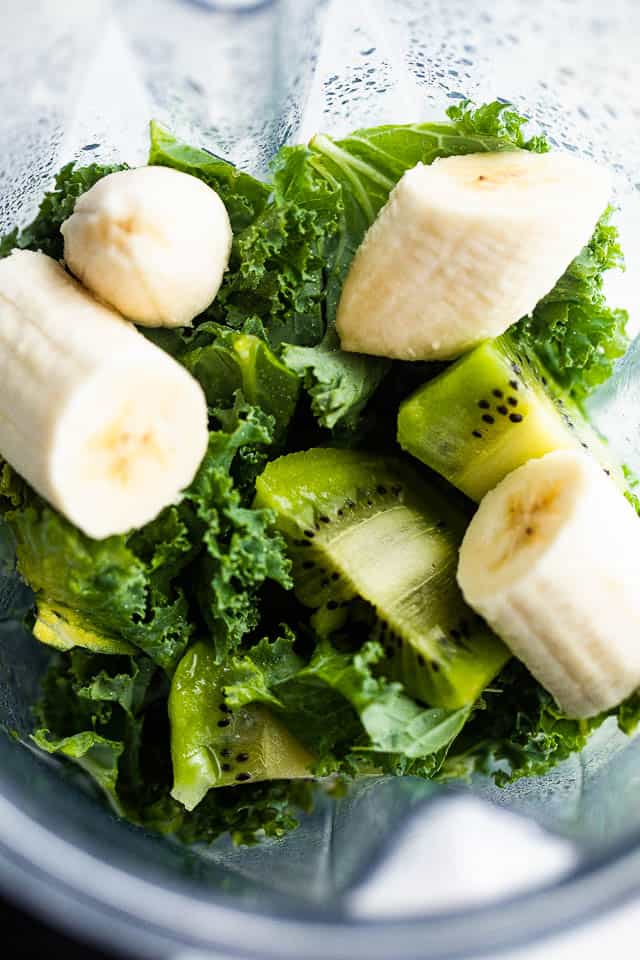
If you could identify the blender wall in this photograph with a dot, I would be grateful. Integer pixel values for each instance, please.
(240, 79)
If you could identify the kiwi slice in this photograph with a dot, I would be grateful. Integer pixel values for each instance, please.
(487, 414)
(362, 527)
(62, 628)
(215, 746)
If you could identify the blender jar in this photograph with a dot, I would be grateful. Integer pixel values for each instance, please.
(397, 867)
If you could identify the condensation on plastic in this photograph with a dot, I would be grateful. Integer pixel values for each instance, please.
(79, 81)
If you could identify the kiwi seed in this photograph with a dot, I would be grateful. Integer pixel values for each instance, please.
(513, 384)
(243, 777)
(242, 757)
(512, 401)
(488, 418)
(515, 417)
(227, 768)
(225, 752)
(435, 666)
(483, 404)
(328, 588)
(502, 410)
(498, 393)
(476, 433)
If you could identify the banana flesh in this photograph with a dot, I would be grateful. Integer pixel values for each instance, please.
(464, 248)
(551, 560)
(103, 424)
(152, 242)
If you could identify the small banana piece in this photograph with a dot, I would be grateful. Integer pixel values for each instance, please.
(103, 424)
(464, 248)
(152, 242)
(551, 560)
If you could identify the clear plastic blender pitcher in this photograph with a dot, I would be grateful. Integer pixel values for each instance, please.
(398, 868)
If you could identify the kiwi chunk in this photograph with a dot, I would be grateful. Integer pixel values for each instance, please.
(489, 413)
(215, 746)
(362, 527)
(62, 628)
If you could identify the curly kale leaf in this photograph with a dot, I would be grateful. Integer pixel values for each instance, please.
(139, 587)
(573, 330)
(519, 731)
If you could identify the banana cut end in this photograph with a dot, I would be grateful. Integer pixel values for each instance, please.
(551, 560)
(129, 442)
(520, 519)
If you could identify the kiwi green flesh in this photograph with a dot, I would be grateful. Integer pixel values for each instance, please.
(363, 526)
(489, 413)
(464, 639)
(213, 745)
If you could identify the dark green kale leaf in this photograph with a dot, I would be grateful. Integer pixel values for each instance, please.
(256, 812)
(339, 708)
(138, 587)
(107, 716)
(519, 731)
(90, 712)
(104, 581)
(241, 551)
(573, 330)
(498, 120)
(96, 755)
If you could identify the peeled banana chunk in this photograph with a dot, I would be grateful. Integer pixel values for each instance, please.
(103, 424)
(152, 242)
(464, 248)
(551, 560)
